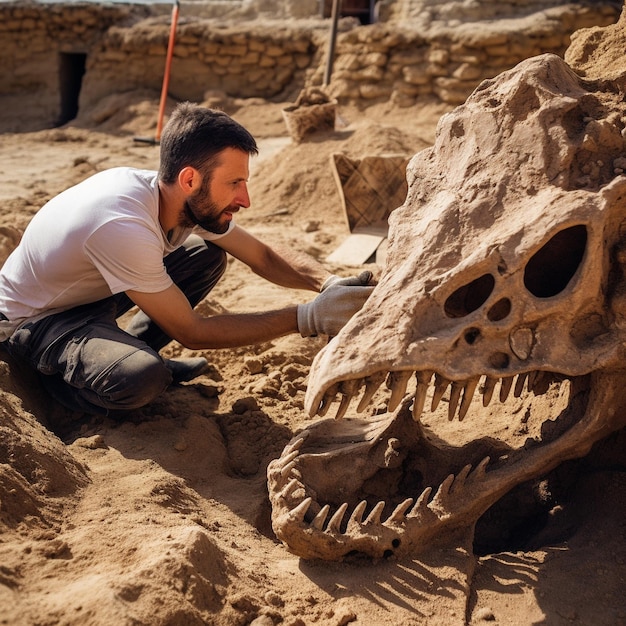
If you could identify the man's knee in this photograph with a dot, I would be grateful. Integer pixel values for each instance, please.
(133, 381)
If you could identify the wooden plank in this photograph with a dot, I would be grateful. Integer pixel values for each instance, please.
(356, 250)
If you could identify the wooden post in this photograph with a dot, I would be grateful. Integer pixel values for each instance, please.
(166, 80)
(331, 43)
(168, 66)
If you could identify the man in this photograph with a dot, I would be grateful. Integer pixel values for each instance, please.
(157, 240)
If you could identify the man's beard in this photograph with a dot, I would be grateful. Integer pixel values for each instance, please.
(205, 214)
(208, 222)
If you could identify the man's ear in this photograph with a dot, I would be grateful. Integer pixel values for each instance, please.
(189, 179)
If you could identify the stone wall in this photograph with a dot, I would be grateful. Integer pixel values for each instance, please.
(34, 36)
(447, 62)
(124, 49)
(256, 59)
(455, 12)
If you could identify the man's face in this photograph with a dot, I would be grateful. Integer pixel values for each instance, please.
(220, 195)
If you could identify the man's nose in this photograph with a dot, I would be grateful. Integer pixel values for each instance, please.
(243, 197)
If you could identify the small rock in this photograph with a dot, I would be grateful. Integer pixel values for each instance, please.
(245, 404)
(181, 445)
(91, 443)
(310, 226)
(485, 614)
(273, 599)
(210, 390)
(254, 364)
(345, 618)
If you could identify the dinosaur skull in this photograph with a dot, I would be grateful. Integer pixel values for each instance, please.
(504, 272)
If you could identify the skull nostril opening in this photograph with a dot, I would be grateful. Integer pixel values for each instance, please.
(469, 297)
(471, 335)
(500, 310)
(499, 360)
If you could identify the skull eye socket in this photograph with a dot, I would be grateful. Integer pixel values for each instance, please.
(467, 299)
(551, 268)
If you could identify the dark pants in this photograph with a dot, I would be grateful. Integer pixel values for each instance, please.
(89, 364)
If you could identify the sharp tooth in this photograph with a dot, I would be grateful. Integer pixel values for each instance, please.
(421, 504)
(297, 514)
(327, 400)
(423, 381)
(290, 487)
(481, 469)
(334, 526)
(398, 514)
(343, 407)
(519, 385)
(397, 382)
(444, 488)
(505, 388)
(287, 468)
(372, 383)
(490, 385)
(374, 516)
(468, 394)
(324, 406)
(441, 384)
(297, 443)
(320, 518)
(455, 395)
(287, 462)
(541, 383)
(357, 515)
(349, 389)
(461, 477)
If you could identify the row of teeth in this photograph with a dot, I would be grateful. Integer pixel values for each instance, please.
(406, 510)
(461, 392)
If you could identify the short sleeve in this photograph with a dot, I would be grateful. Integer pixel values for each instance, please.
(129, 255)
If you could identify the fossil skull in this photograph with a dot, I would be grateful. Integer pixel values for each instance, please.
(504, 276)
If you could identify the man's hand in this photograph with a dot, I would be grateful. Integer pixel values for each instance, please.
(328, 313)
(361, 280)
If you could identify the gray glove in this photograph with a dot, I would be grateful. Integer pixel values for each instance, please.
(328, 313)
(351, 281)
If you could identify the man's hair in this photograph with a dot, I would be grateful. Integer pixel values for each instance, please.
(195, 135)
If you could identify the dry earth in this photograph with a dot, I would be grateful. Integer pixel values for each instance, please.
(164, 518)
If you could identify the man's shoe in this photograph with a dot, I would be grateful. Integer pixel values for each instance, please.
(183, 370)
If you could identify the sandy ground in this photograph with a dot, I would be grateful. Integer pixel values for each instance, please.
(164, 518)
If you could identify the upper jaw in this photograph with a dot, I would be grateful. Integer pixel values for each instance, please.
(427, 387)
(349, 370)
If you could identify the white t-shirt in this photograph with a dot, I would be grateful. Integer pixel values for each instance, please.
(98, 238)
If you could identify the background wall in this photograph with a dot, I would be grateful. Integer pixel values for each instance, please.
(418, 49)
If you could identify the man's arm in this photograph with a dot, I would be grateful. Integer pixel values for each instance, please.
(171, 311)
(279, 265)
(326, 314)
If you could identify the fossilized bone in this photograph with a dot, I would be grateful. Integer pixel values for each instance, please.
(505, 271)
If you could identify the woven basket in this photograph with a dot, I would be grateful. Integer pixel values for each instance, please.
(305, 120)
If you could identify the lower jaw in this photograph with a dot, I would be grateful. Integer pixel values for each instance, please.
(447, 483)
